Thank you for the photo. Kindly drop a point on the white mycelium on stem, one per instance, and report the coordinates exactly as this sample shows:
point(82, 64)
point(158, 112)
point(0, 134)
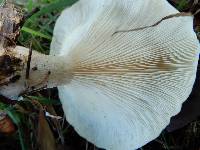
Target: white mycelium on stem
point(120, 90)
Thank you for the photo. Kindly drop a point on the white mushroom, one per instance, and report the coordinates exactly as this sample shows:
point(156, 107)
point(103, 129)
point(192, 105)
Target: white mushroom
point(118, 89)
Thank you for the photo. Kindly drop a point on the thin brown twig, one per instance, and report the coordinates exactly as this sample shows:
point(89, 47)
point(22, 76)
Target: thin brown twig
point(29, 62)
point(28, 91)
point(157, 23)
point(197, 12)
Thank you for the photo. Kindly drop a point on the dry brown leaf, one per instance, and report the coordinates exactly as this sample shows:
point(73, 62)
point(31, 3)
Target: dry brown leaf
point(55, 122)
point(6, 125)
point(46, 139)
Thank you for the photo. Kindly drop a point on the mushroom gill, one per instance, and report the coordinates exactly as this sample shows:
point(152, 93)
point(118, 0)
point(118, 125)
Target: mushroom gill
point(119, 86)
point(133, 68)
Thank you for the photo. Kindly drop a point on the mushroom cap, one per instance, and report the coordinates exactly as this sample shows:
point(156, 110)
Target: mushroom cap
point(125, 86)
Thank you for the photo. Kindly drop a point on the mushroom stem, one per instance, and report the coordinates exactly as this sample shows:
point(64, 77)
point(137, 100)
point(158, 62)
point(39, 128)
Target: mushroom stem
point(46, 71)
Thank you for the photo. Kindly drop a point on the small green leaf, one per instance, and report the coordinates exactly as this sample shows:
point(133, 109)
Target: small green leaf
point(16, 119)
point(182, 4)
point(35, 33)
point(57, 5)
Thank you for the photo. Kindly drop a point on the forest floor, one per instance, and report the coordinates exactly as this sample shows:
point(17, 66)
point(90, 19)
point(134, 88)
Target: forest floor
point(28, 115)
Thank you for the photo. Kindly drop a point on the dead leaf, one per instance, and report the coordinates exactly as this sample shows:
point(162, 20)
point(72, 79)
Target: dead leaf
point(46, 139)
point(6, 125)
point(55, 122)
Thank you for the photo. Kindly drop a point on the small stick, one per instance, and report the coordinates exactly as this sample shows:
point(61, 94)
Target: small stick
point(197, 12)
point(29, 62)
point(27, 92)
point(165, 18)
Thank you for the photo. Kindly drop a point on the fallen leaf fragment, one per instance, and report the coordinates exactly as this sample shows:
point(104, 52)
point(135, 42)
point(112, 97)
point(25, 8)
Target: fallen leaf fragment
point(46, 139)
point(6, 125)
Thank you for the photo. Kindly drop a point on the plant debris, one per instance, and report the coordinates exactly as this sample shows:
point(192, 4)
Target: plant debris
point(182, 14)
point(10, 25)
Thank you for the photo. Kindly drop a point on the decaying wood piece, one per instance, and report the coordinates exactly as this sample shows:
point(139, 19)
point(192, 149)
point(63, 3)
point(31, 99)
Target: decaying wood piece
point(10, 24)
point(10, 21)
